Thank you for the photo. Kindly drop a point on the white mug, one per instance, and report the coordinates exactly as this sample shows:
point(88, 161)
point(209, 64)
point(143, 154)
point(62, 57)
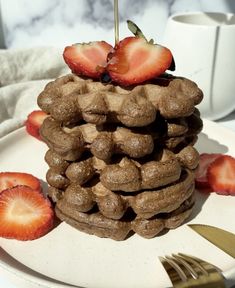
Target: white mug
point(203, 46)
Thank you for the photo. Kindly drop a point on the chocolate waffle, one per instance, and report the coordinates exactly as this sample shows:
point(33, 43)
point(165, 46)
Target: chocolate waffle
point(121, 160)
point(97, 224)
point(105, 140)
point(126, 174)
point(71, 98)
point(127, 184)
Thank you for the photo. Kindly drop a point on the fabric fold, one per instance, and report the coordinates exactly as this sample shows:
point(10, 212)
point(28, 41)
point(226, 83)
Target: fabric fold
point(24, 74)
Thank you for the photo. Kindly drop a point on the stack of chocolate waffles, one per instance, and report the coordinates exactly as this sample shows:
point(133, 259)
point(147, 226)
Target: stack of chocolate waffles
point(121, 160)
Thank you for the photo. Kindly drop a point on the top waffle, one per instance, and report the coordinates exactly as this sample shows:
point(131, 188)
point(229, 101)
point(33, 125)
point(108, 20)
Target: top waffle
point(70, 99)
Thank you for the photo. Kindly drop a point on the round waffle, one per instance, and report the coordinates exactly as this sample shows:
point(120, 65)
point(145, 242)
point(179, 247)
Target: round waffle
point(147, 188)
point(97, 224)
point(71, 98)
point(107, 140)
point(145, 203)
point(126, 174)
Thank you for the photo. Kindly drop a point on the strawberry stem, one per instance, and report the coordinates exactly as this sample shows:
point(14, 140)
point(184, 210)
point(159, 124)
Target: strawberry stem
point(136, 30)
point(116, 22)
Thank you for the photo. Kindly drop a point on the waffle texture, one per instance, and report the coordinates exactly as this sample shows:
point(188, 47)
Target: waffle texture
point(121, 160)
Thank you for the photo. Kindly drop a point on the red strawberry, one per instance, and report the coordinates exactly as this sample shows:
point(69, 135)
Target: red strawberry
point(135, 60)
point(34, 122)
point(88, 59)
point(201, 174)
point(12, 179)
point(221, 175)
point(24, 214)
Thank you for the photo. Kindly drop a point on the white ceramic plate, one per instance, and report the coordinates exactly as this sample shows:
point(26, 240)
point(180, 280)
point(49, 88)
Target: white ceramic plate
point(76, 258)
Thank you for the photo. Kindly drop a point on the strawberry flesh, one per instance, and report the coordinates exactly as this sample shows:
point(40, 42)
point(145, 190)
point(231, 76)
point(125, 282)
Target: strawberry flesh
point(205, 160)
point(12, 179)
point(24, 214)
point(135, 60)
point(221, 175)
point(87, 59)
point(34, 122)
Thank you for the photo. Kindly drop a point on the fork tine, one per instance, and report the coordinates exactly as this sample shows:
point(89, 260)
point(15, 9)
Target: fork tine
point(184, 263)
point(189, 271)
point(176, 274)
point(177, 268)
point(195, 261)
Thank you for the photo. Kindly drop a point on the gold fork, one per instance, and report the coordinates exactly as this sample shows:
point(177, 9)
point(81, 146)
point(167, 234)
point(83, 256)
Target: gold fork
point(189, 271)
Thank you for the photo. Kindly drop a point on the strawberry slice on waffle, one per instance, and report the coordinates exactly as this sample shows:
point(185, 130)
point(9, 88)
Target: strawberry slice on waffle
point(136, 60)
point(87, 59)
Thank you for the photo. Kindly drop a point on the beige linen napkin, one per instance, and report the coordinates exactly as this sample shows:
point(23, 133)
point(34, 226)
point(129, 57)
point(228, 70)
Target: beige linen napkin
point(23, 75)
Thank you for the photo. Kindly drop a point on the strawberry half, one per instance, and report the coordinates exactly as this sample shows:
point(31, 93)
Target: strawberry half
point(24, 214)
point(34, 122)
point(136, 60)
point(205, 160)
point(221, 175)
point(87, 59)
point(12, 179)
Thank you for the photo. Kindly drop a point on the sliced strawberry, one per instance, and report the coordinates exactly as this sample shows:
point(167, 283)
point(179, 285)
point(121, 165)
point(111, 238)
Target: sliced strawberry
point(12, 179)
point(34, 122)
point(201, 174)
point(88, 59)
point(221, 175)
point(135, 60)
point(24, 214)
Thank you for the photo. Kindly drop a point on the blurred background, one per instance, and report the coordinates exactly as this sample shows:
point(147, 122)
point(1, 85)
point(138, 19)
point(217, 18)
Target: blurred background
point(27, 23)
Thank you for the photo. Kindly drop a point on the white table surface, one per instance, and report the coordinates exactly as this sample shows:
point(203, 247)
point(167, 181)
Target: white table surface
point(7, 280)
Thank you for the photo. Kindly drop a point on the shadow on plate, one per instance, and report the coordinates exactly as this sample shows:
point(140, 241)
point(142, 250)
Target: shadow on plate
point(205, 145)
point(200, 199)
point(44, 186)
point(208, 145)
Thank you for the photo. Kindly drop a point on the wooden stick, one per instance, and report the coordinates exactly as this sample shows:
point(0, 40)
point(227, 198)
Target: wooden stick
point(116, 22)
